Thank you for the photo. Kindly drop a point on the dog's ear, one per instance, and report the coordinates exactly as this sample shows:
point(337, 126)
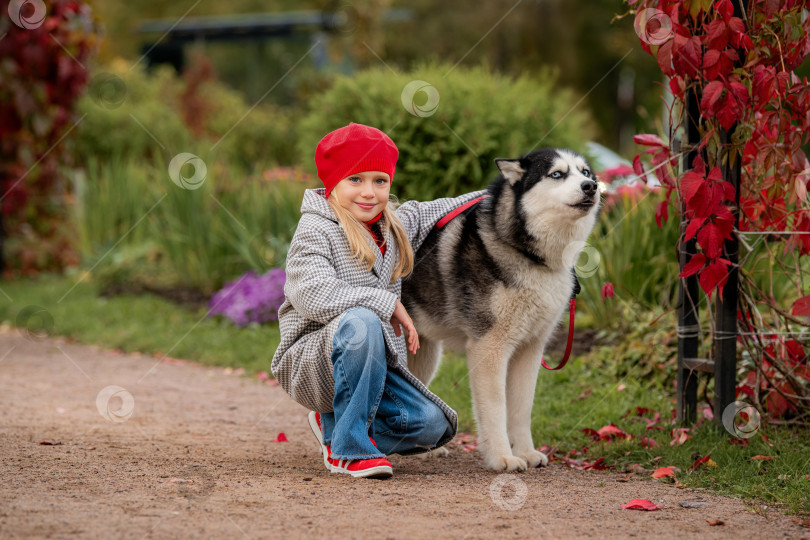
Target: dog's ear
point(511, 169)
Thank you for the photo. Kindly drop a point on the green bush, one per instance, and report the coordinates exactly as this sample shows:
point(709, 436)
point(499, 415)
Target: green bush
point(143, 118)
point(480, 116)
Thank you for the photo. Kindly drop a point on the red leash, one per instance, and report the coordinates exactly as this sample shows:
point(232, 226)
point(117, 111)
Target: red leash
point(571, 304)
point(571, 309)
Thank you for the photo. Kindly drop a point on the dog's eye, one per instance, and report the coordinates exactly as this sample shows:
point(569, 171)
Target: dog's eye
point(586, 173)
point(556, 174)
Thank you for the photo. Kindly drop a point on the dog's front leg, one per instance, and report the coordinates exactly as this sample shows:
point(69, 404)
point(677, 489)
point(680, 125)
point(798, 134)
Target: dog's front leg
point(486, 364)
point(521, 382)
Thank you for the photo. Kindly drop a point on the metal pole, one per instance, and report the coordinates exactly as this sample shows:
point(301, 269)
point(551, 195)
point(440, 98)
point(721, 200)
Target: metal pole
point(688, 290)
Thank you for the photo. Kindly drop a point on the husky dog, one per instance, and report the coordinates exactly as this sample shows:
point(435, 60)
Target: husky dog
point(495, 281)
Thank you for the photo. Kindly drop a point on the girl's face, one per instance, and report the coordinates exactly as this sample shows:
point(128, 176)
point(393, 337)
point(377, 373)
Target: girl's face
point(364, 194)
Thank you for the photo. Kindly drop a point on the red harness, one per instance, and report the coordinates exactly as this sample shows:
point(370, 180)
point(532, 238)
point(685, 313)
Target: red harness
point(571, 303)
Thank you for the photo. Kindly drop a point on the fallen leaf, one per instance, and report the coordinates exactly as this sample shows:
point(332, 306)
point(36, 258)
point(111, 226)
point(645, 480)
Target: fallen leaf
point(621, 388)
point(679, 436)
point(648, 443)
point(591, 433)
point(281, 437)
point(738, 441)
point(664, 472)
point(586, 394)
point(767, 458)
point(609, 432)
point(262, 376)
point(801, 523)
point(701, 461)
point(49, 443)
point(716, 523)
point(641, 504)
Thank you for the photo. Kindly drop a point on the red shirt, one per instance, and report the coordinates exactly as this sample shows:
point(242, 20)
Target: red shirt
point(375, 232)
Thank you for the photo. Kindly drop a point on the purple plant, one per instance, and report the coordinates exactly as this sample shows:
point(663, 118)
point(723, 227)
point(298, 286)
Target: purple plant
point(251, 298)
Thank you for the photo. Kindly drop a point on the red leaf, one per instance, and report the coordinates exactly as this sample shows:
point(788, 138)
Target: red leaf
point(729, 111)
point(686, 54)
point(694, 225)
point(801, 307)
point(690, 184)
point(610, 431)
point(281, 437)
point(664, 58)
point(710, 238)
point(715, 275)
point(725, 9)
point(715, 523)
point(662, 213)
point(694, 265)
point(760, 457)
point(641, 504)
point(648, 443)
point(664, 472)
point(649, 139)
point(700, 461)
point(638, 168)
point(607, 291)
point(711, 97)
point(591, 433)
point(679, 436)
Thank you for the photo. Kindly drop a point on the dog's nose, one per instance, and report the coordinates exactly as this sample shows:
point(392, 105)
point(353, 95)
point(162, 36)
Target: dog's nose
point(588, 187)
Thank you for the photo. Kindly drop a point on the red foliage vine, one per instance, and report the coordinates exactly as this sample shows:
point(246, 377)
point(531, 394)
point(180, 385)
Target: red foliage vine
point(755, 109)
point(44, 46)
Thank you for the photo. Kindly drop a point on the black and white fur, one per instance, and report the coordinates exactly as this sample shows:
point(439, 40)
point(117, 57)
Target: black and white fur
point(495, 282)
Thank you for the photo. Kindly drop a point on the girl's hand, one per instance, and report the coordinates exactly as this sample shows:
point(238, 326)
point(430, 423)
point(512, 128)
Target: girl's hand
point(401, 317)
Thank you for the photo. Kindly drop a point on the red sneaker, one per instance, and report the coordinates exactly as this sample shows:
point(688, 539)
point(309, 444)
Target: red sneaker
point(363, 468)
point(315, 424)
point(358, 468)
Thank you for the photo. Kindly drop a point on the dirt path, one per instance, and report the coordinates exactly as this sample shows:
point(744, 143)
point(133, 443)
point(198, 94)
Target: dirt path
point(197, 459)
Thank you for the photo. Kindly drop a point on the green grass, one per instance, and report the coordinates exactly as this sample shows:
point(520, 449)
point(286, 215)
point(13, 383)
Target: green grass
point(586, 394)
point(147, 324)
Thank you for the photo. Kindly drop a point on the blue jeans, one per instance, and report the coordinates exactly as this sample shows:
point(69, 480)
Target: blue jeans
point(371, 401)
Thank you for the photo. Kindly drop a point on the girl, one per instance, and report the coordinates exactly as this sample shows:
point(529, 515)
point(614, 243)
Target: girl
point(342, 351)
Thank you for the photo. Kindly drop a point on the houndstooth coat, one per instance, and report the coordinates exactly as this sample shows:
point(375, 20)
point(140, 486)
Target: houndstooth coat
point(324, 281)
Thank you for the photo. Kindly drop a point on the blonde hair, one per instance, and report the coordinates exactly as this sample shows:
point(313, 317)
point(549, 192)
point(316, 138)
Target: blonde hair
point(358, 236)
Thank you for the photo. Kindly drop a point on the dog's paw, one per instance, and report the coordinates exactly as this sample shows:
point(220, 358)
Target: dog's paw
point(505, 463)
point(435, 453)
point(534, 458)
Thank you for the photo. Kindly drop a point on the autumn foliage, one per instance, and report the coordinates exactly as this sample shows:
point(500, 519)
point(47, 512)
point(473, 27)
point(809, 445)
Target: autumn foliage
point(42, 73)
point(754, 110)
